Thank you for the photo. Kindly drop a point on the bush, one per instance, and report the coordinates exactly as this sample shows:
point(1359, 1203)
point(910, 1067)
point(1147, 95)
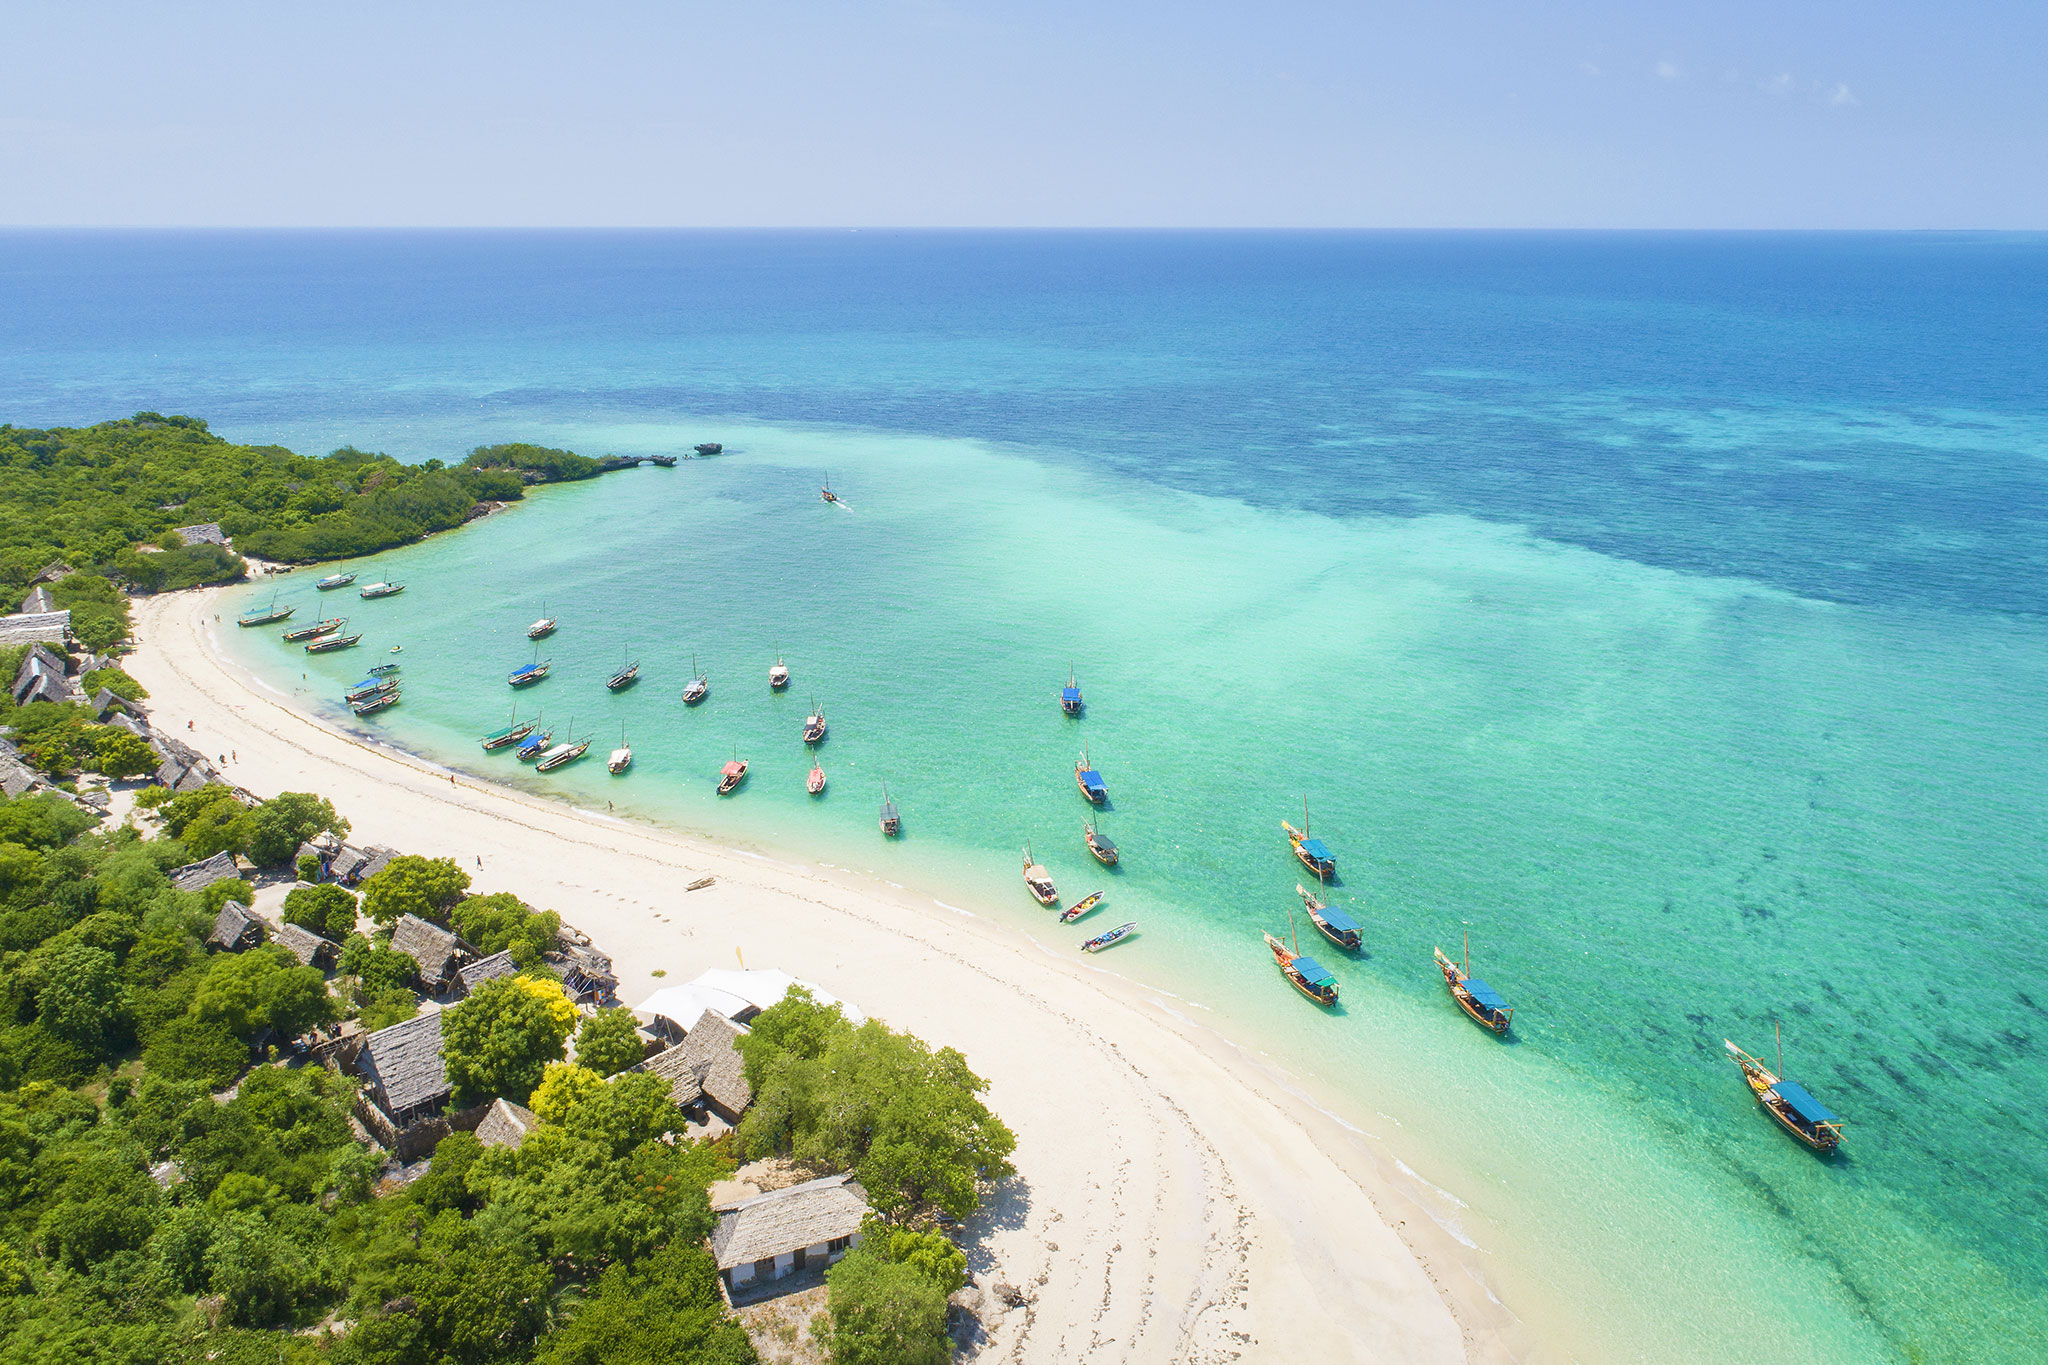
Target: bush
point(609, 1041)
point(883, 1313)
point(118, 754)
point(217, 894)
point(190, 1049)
point(388, 1007)
point(115, 681)
point(308, 868)
point(276, 828)
point(329, 911)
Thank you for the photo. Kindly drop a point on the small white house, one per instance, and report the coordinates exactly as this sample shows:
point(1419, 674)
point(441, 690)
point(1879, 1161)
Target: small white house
point(773, 1235)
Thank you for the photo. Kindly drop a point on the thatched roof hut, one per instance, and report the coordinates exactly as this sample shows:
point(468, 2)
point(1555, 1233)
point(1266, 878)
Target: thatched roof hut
point(506, 1124)
point(802, 1227)
point(235, 928)
point(706, 1070)
point(17, 778)
point(435, 950)
point(474, 974)
point(204, 873)
point(403, 1069)
point(38, 601)
point(307, 946)
point(36, 627)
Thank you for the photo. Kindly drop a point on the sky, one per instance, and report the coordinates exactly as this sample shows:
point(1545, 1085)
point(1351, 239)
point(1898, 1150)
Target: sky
point(1026, 113)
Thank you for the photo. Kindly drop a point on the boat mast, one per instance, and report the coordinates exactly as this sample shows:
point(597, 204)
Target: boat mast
point(1294, 942)
point(1781, 1048)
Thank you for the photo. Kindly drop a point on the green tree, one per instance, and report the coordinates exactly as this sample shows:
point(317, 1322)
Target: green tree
point(278, 826)
point(378, 968)
point(245, 993)
point(609, 1041)
point(81, 999)
point(498, 1041)
point(118, 754)
point(386, 1008)
point(663, 1310)
point(115, 681)
point(192, 1049)
point(930, 1253)
point(409, 885)
point(501, 921)
point(329, 911)
point(883, 1312)
point(562, 1086)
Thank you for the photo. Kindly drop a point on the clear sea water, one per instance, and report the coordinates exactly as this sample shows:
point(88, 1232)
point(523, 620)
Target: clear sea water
point(1670, 612)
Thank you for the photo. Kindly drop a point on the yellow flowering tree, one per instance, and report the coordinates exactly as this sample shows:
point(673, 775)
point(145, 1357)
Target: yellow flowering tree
point(500, 1040)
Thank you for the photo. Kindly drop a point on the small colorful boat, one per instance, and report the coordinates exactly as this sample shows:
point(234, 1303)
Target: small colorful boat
point(369, 687)
point(511, 734)
point(1038, 881)
point(815, 782)
point(334, 642)
point(1089, 781)
point(624, 678)
point(376, 590)
point(1070, 696)
point(1479, 1000)
point(778, 674)
point(335, 580)
point(1099, 844)
point(263, 616)
point(1307, 975)
point(732, 774)
point(316, 630)
point(541, 629)
point(622, 757)
point(826, 492)
point(385, 670)
point(562, 753)
point(814, 723)
point(369, 706)
point(534, 745)
point(1336, 926)
point(526, 675)
point(1315, 855)
point(1116, 935)
point(892, 820)
point(698, 687)
point(1080, 907)
point(1796, 1111)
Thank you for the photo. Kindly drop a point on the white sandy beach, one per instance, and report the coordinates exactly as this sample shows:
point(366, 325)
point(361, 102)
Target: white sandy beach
point(1174, 1202)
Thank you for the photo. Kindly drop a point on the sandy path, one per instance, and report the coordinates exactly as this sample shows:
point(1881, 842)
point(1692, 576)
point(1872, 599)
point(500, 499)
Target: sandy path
point(1173, 1202)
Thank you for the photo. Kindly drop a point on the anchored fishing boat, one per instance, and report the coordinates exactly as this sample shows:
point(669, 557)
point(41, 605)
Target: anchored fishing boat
point(1089, 781)
point(541, 629)
point(526, 675)
point(709, 448)
point(316, 630)
point(624, 678)
point(1308, 976)
point(1038, 881)
point(376, 590)
point(534, 745)
point(1070, 696)
point(826, 492)
point(263, 616)
point(1116, 935)
point(1335, 924)
point(815, 782)
point(1479, 1000)
point(385, 670)
point(778, 674)
point(369, 687)
point(732, 774)
point(1796, 1111)
point(622, 757)
point(567, 752)
point(892, 822)
point(511, 734)
point(1099, 844)
point(1315, 855)
point(814, 723)
point(369, 706)
point(1080, 907)
point(698, 687)
point(335, 580)
point(334, 642)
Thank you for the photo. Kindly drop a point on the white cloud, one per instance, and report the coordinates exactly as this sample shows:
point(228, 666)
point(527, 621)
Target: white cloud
point(1780, 84)
point(1840, 95)
point(1667, 71)
point(1589, 68)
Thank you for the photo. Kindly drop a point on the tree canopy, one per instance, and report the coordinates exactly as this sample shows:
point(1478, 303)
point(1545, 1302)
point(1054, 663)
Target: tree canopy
point(498, 1041)
point(410, 885)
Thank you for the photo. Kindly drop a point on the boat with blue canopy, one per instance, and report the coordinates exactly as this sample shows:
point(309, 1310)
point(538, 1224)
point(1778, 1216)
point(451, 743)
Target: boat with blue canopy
point(1335, 925)
point(384, 670)
point(369, 687)
point(1314, 854)
point(1089, 781)
point(1070, 696)
point(1307, 975)
point(512, 733)
point(534, 745)
point(1789, 1102)
point(263, 616)
point(1101, 845)
point(1479, 1000)
point(526, 675)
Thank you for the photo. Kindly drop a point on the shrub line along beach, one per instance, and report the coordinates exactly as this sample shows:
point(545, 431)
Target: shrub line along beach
point(1175, 1196)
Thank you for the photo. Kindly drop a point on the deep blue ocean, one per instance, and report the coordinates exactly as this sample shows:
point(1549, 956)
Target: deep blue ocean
point(1669, 610)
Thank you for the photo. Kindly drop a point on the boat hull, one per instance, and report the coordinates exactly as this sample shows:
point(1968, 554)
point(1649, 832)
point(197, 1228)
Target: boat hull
point(1347, 941)
point(622, 681)
point(1094, 796)
point(328, 646)
point(491, 742)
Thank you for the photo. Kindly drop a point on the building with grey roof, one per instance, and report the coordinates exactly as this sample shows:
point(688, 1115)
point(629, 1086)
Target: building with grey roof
point(206, 532)
point(308, 947)
point(38, 601)
point(435, 950)
point(36, 627)
point(236, 928)
point(770, 1236)
point(204, 873)
point(705, 1072)
point(17, 778)
point(474, 974)
point(402, 1068)
point(506, 1124)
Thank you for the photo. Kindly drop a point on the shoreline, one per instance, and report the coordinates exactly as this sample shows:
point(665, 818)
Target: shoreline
point(1208, 1208)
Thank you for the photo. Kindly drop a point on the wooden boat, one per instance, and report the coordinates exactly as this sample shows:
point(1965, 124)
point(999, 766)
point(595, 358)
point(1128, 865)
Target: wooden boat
point(526, 675)
point(698, 687)
point(1039, 882)
point(369, 706)
point(826, 492)
point(1089, 781)
point(1307, 975)
point(624, 678)
point(1070, 696)
point(778, 674)
point(376, 590)
point(1335, 924)
point(334, 642)
point(369, 687)
point(665, 461)
point(1315, 855)
point(335, 580)
point(1116, 935)
point(316, 630)
point(1080, 907)
point(541, 629)
point(385, 670)
point(1796, 1111)
point(709, 448)
point(1099, 844)
point(622, 757)
point(732, 774)
point(534, 745)
point(814, 723)
point(892, 820)
point(263, 616)
point(511, 734)
point(1479, 1000)
point(562, 753)
point(815, 782)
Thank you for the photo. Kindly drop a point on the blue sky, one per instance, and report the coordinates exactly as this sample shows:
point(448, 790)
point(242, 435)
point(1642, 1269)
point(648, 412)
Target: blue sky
point(988, 112)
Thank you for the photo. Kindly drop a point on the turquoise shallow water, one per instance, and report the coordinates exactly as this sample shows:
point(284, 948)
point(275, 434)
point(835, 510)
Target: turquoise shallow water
point(1668, 614)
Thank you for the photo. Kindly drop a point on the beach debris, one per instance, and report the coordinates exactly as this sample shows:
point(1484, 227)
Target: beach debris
point(700, 883)
point(1010, 1296)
